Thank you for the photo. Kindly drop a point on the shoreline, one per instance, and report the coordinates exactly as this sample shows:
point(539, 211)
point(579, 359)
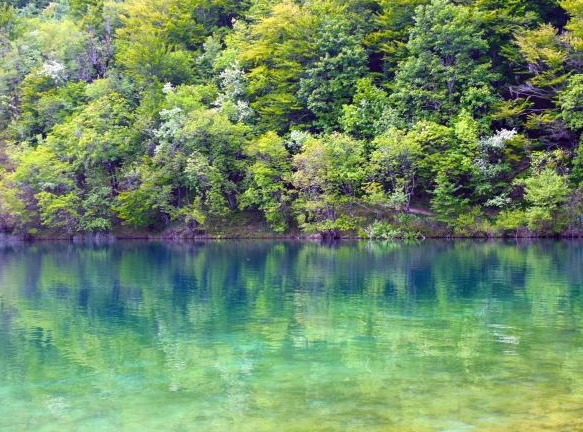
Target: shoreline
point(113, 237)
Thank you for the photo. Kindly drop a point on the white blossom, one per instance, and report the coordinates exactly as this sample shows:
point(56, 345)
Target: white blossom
point(497, 141)
point(499, 201)
point(296, 140)
point(233, 83)
point(54, 70)
point(168, 88)
point(168, 134)
point(489, 147)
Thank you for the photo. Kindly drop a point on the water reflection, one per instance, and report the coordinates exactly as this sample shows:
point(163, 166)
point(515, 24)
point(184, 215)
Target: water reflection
point(291, 336)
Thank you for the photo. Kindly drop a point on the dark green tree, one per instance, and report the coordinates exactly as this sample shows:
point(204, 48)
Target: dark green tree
point(446, 69)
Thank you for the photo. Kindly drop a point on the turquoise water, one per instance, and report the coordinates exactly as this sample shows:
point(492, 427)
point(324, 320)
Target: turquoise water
point(275, 336)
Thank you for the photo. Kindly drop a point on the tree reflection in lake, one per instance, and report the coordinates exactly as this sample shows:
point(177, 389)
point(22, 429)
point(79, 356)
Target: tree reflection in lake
point(294, 336)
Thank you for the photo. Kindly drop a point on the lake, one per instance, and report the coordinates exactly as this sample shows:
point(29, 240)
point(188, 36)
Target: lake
point(292, 336)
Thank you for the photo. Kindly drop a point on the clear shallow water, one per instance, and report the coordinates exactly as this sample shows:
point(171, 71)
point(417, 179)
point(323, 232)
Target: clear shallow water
point(273, 336)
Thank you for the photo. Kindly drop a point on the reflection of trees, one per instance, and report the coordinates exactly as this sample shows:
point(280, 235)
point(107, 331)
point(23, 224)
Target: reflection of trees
point(205, 317)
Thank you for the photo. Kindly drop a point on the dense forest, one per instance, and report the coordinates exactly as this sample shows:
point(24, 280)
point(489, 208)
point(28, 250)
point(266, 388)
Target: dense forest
point(379, 118)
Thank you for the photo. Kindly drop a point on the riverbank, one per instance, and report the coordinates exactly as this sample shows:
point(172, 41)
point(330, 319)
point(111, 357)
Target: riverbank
point(419, 228)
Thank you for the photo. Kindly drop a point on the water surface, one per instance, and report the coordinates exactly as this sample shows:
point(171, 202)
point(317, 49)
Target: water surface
point(275, 336)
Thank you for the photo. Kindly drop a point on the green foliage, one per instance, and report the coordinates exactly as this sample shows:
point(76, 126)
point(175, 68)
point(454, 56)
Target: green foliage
point(446, 43)
point(382, 231)
point(59, 211)
point(329, 81)
point(493, 168)
point(42, 109)
point(395, 164)
point(147, 202)
point(184, 113)
point(146, 46)
point(571, 100)
point(268, 180)
point(99, 134)
point(468, 223)
point(329, 174)
point(39, 174)
point(363, 118)
point(511, 220)
point(40, 169)
point(157, 39)
point(389, 37)
point(275, 49)
point(545, 192)
point(97, 213)
point(577, 173)
point(575, 10)
point(446, 201)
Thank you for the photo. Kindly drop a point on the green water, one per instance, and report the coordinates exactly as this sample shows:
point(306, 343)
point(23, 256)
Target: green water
point(268, 336)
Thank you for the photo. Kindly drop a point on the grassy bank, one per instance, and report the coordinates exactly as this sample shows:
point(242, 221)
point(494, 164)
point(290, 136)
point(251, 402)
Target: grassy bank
point(415, 225)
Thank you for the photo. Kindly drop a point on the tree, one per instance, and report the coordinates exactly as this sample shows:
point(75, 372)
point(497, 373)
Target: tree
point(502, 20)
point(44, 105)
point(147, 46)
point(199, 144)
point(446, 201)
point(394, 164)
point(146, 201)
point(574, 9)
point(100, 134)
point(493, 167)
point(446, 43)
point(570, 100)
point(388, 40)
point(545, 56)
point(59, 210)
point(551, 59)
point(329, 175)
point(268, 180)
point(329, 81)
point(186, 112)
point(274, 51)
point(41, 190)
point(158, 38)
point(364, 117)
point(545, 192)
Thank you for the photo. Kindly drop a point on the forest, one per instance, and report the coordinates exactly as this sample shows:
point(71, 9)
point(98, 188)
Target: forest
point(370, 118)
